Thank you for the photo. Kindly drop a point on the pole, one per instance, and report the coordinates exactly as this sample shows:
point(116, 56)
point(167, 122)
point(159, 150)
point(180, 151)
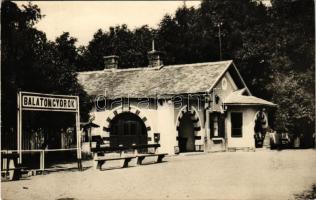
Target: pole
point(42, 161)
point(21, 124)
point(220, 40)
point(207, 128)
point(18, 124)
point(78, 136)
point(90, 138)
point(19, 127)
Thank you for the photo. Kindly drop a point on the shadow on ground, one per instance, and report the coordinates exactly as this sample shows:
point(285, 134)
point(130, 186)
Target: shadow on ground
point(307, 194)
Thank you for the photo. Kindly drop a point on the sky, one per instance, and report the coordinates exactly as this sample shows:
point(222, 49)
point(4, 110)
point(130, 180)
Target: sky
point(83, 18)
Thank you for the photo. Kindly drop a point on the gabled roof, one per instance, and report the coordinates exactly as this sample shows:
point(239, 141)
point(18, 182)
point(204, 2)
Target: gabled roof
point(237, 98)
point(152, 82)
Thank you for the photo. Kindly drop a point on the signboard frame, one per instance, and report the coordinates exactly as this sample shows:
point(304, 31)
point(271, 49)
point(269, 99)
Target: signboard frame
point(22, 107)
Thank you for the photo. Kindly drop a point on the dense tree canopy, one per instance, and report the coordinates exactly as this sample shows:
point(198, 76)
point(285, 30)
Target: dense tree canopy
point(130, 46)
point(32, 63)
point(274, 48)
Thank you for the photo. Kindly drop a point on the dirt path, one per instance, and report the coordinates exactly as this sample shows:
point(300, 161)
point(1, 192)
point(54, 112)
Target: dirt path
point(229, 175)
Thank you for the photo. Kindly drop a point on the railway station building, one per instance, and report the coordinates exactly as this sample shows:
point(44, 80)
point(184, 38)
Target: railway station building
point(185, 108)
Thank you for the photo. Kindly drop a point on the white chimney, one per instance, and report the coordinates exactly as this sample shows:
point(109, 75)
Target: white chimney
point(154, 57)
point(110, 62)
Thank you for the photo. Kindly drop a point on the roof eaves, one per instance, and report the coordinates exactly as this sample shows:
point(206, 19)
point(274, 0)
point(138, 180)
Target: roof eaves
point(251, 104)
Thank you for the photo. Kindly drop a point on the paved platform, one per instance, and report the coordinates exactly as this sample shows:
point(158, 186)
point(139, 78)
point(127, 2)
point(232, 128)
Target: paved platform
point(225, 175)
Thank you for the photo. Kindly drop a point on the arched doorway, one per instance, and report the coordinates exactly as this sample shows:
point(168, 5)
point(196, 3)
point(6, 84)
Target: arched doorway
point(186, 137)
point(127, 129)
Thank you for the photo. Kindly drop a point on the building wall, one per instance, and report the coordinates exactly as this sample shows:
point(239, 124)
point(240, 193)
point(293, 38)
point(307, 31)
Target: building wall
point(247, 139)
point(222, 93)
point(231, 86)
point(166, 127)
point(159, 119)
point(163, 118)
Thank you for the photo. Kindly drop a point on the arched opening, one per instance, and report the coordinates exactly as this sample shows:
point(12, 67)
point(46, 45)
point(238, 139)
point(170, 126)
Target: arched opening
point(186, 133)
point(127, 129)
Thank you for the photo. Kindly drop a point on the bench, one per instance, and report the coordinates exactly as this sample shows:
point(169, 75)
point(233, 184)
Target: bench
point(101, 151)
point(100, 161)
point(141, 157)
point(10, 169)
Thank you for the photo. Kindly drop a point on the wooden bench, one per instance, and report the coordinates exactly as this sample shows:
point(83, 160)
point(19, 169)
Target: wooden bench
point(100, 161)
point(141, 157)
point(101, 151)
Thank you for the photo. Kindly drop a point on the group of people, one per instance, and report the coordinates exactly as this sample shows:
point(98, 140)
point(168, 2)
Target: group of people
point(63, 139)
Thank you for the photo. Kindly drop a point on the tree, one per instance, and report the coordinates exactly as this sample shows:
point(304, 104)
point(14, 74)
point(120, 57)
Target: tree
point(32, 63)
point(296, 106)
point(130, 46)
point(274, 48)
point(20, 43)
point(292, 60)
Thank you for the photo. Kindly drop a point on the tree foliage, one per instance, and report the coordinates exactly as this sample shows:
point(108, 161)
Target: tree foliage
point(32, 63)
point(130, 46)
point(274, 48)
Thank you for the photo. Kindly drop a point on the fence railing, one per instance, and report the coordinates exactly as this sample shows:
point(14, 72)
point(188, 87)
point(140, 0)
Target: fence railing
point(42, 154)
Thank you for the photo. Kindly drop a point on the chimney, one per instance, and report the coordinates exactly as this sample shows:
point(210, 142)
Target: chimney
point(154, 57)
point(110, 62)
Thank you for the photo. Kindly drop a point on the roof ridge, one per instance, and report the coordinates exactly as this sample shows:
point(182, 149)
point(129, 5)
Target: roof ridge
point(194, 64)
point(154, 68)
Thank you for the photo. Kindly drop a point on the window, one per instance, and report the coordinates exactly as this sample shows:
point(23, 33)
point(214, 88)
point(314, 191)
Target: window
point(236, 121)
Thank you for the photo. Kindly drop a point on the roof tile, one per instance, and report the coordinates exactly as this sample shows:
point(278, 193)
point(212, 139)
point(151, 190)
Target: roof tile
point(150, 82)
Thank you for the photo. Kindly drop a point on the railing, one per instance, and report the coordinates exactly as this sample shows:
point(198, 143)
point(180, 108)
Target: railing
point(42, 154)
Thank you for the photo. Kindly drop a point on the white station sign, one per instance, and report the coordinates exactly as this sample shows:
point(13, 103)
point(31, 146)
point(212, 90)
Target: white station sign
point(47, 102)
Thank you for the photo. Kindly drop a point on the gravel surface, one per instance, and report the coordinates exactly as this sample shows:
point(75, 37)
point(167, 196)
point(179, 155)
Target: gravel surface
point(228, 175)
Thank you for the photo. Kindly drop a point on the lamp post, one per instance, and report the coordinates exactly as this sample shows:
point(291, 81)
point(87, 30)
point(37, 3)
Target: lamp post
point(220, 39)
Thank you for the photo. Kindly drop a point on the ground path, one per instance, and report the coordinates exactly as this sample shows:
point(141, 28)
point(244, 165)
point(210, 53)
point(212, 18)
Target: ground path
point(227, 175)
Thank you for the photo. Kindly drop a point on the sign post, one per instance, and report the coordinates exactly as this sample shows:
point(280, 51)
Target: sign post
point(19, 127)
point(30, 101)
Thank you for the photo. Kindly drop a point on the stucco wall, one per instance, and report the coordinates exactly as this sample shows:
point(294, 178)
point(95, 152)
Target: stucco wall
point(247, 139)
point(222, 93)
point(231, 86)
point(160, 119)
point(166, 127)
